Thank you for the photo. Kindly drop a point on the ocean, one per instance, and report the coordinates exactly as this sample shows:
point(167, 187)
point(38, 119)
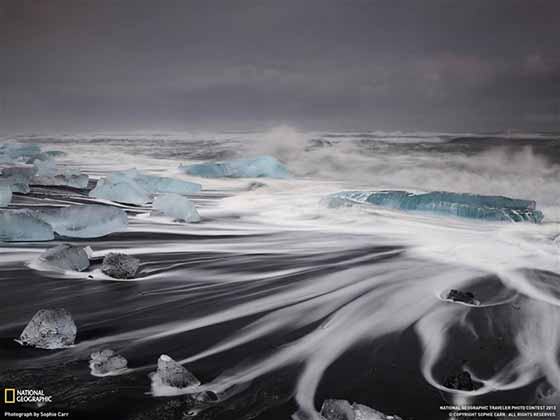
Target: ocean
point(277, 302)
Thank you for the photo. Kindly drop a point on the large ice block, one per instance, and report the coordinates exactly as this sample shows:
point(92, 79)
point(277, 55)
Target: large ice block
point(84, 221)
point(473, 206)
point(261, 166)
point(175, 206)
point(23, 225)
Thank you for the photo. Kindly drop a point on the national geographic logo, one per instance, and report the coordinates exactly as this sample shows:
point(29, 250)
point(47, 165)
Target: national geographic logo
point(13, 395)
point(9, 395)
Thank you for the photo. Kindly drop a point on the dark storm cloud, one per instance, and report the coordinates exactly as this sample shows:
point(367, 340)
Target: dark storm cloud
point(392, 64)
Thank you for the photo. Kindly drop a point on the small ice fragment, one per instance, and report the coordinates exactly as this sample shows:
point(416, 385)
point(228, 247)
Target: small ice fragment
point(106, 362)
point(174, 374)
point(66, 257)
point(342, 410)
point(175, 206)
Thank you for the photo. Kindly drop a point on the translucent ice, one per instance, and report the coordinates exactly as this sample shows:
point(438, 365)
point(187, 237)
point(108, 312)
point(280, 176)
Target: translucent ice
point(343, 410)
point(121, 190)
point(106, 362)
point(487, 207)
point(5, 195)
point(175, 206)
point(262, 166)
point(134, 187)
point(159, 184)
point(67, 257)
point(84, 221)
point(18, 150)
point(18, 177)
point(173, 374)
point(49, 329)
point(49, 174)
point(23, 225)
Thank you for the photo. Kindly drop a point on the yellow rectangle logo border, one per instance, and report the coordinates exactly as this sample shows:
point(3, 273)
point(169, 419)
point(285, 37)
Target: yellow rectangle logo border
point(7, 391)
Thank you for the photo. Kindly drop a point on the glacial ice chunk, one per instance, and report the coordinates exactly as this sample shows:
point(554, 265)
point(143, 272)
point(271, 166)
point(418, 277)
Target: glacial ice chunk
point(5, 195)
point(261, 166)
point(49, 329)
point(175, 206)
point(120, 190)
point(48, 174)
point(18, 177)
point(67, 257)
point(120, 266)
point(159, 184)
point(173, 374)
point(473, 206)
point(106, 362)
point(18, 150)
point(343, 410)
point(134, 187)
point(84, 221)
point(62, 180)
point(23, 225)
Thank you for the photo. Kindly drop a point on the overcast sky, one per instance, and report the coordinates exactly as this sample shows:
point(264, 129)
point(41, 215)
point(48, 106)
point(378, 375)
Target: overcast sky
point(317, 64)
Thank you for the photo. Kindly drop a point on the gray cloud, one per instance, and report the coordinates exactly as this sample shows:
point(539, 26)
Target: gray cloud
point(346, 64)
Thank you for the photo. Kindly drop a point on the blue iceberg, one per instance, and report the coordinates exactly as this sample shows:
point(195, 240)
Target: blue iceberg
point(259, 167)
point(472, 206)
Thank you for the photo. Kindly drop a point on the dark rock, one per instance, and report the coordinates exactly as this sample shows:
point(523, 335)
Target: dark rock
point(465, 297)
point(462, 381)
point(120, 266)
